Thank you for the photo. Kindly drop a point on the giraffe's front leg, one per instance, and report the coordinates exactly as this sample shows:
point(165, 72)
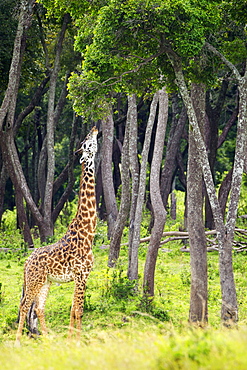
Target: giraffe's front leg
point(77, 305)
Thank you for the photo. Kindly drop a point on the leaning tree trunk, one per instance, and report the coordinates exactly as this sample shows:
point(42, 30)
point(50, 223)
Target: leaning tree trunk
point(225, 235)
point(198, 246)
point(106, 171)
point(159, 211)
point(224, 191)
point(229, 309)
point(133, 263)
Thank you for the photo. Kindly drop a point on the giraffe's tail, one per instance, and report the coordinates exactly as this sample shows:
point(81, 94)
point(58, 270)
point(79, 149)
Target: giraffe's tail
point(22, 296)
point(31, 319)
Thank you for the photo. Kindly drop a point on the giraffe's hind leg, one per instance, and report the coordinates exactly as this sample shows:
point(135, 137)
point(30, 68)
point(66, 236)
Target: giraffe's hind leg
point(25, 304)
point(40, 305)
point(31, 294)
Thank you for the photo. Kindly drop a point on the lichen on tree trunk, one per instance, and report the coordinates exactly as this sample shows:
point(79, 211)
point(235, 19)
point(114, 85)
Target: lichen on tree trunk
point(229, 309)
point(198, 246)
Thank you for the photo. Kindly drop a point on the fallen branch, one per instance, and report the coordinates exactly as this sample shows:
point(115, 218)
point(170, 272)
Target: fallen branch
point(238, 246)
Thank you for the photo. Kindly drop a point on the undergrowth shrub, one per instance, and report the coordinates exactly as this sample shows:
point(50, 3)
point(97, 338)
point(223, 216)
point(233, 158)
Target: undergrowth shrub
point(148, 305)
point(120, 287)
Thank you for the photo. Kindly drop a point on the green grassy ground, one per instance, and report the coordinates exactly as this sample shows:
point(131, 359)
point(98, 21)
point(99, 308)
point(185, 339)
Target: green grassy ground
point(120, 330)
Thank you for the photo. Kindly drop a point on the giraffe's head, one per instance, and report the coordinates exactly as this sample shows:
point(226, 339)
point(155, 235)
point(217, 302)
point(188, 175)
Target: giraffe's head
point(88, 147)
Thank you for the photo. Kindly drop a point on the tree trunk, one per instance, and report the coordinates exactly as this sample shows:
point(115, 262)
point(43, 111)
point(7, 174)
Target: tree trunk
point(134, 168)
point(3, 179)
point(156, 199)
point(7, 111)
point(229, 310)
point(224, 191)
point(224, 234)
point(8, 128)
point(171, 153)
point(211, 138)
point(198, 245)
point(133, 263)
point(107, 176)
point(47, 211)
point(64, 197)
point(125, 200)
point(22, 218)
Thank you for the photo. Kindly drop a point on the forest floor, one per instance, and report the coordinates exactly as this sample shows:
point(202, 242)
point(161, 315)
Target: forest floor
point(121, 330)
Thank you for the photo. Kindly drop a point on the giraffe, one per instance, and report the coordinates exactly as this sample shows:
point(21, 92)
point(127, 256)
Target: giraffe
point(69, 259)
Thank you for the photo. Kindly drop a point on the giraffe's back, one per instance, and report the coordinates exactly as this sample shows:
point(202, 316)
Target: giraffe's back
point(58, 263)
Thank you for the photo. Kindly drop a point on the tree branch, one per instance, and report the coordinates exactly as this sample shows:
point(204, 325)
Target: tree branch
point(224, 60)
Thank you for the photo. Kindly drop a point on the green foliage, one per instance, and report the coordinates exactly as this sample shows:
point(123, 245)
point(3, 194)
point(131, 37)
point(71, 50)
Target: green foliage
point(7, 34)
point(9, 221)
point(125, 49)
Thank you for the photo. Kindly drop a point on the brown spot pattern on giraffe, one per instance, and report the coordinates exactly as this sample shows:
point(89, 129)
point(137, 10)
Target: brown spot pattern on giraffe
point(70, 258)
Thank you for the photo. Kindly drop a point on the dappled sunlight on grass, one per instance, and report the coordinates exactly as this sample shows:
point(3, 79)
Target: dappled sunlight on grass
point(124, 349)
point(121, 329)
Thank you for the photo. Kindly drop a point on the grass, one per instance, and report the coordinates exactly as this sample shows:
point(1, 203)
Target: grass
point(120, 329)
point(162, 348)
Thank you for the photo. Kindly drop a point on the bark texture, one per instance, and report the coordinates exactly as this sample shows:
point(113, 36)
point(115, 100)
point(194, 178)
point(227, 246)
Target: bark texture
point(198, 246)
point(134, 169)
point(159, 211)
point(125, 200)
point(171, 152)
point(106, 171)
point(229, 310)
point(133, 263)
point(51, 129)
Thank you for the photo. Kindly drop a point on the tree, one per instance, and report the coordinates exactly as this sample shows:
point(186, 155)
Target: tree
point(11, 123)
point(133, 263)
point(156, 43)
point(229, 309)
point(7, 36)
point(172, 149)
point(134, 167)
point(225, 235)
point(156, 199)
point(125, 197)
point(106, 170)
point(8, 106)
point(198, 246)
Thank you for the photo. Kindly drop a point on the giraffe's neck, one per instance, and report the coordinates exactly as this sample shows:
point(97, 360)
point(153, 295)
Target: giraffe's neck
point(83, 225)
point(86, 201)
